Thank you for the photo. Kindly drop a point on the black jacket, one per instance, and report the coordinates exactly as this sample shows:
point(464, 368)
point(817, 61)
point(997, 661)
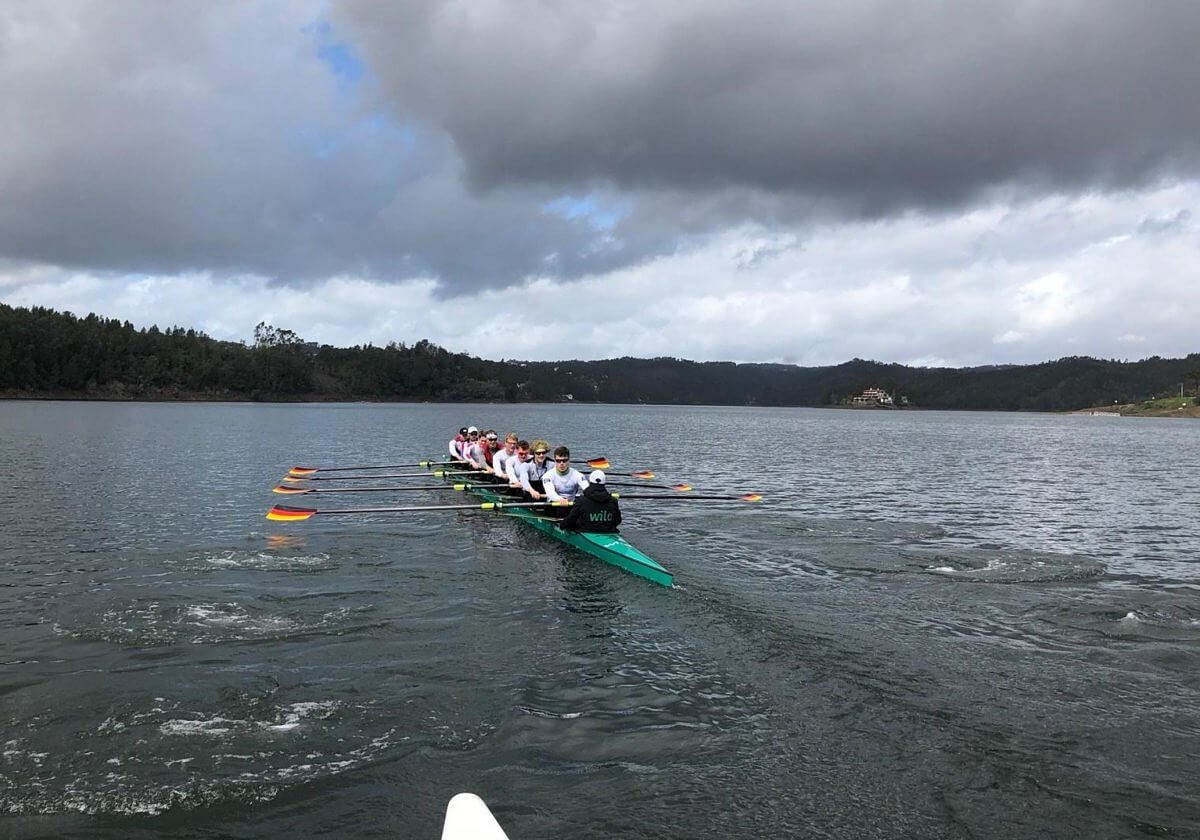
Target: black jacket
point(594, 510)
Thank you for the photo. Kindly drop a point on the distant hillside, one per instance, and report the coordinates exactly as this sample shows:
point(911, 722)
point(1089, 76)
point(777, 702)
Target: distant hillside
point(44, 353)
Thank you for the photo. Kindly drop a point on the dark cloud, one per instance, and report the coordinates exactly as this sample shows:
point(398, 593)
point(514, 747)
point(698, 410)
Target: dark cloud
point(186, 137)
point(191, 136)
point(876, 106)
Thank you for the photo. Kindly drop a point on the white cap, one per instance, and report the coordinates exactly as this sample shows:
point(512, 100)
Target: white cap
point(597, 477)
point(471, 430)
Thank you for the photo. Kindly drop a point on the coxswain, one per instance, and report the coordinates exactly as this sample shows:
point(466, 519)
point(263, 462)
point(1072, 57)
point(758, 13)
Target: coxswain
point(534, 470)
point(595, 509)
point(564, 482)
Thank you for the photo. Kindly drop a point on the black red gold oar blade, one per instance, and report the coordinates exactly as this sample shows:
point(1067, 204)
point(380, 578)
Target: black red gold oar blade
point(287, 513)
point(299, 472)
point(682, 488)
point(290, 490)
point(598, 463)
point(750, 497)
point(646, 474)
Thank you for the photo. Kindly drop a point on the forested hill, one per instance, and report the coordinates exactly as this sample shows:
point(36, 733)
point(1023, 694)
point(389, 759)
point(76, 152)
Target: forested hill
point(48, 353)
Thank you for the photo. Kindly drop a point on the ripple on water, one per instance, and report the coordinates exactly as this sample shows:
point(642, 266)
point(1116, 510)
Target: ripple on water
point(269, 561)
point(985, 565)
point(154, 754)
point(1131, 615)
point(148, 623)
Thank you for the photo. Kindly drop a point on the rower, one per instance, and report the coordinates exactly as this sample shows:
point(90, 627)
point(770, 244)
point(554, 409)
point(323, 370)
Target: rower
point(473, 449)
point(481, 456)
point(595, 509)
point(501, 458)
point(456, 443)
point(534, 470)
point(516, 463)
point(564, 482)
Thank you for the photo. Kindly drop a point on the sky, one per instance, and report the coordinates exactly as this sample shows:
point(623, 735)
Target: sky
point(912, 181)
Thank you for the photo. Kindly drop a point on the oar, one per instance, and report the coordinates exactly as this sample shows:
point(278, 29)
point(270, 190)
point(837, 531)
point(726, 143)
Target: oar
point(287, 513)
point(682, 488)
point(310, 471)
point(297, 491)
point(744, 497)
point(643, 474)
point(437, 473)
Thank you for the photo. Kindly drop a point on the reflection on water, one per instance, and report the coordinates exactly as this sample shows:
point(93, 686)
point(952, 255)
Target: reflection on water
point(936, 625)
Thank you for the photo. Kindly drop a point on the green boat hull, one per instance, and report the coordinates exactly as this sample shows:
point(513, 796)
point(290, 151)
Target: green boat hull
point(611, 548)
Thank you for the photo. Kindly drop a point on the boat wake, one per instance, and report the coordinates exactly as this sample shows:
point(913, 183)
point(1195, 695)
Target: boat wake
point(1016, 565)
point(1129, 615)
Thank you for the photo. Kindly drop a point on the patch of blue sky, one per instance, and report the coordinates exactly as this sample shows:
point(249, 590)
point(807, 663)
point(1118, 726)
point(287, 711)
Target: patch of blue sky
point(351, 73)
point(588, 208)
point(343, 62)
point(339, 57)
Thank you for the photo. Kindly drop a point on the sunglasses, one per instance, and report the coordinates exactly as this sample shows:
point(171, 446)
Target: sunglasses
point(561, 460)
point(540, 452)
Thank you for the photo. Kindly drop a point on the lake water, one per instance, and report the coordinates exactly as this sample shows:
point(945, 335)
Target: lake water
point(937, 625)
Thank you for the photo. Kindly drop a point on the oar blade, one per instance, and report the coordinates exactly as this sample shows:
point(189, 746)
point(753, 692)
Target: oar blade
point(646, 474)
point(598, 463)
point(287, 513)
point(290, 490)
point(682, 488)
point(299, 472)
point(750, 497)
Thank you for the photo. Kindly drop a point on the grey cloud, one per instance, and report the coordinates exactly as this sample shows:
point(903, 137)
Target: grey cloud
point(1166, 223)
point(192, 136)
point(875, 106)
point(183, 137)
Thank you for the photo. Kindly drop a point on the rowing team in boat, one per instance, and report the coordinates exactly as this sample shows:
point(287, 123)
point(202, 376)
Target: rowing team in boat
point(583, 504)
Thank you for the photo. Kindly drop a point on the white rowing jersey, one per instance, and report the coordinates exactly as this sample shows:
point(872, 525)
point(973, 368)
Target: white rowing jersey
point(563, 486)
point(474, 452)
point(499, 460)
point(530, 474)
point(512, 469)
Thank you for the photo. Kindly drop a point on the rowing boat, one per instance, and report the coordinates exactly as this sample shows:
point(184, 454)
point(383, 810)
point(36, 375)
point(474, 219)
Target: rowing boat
point(611, 548)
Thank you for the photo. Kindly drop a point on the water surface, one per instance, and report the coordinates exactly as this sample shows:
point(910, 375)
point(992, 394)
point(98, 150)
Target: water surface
point(936, 625)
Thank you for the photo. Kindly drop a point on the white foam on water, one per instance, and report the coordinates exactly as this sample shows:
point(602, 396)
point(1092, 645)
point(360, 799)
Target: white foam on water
point(212, 726)
point(297, 712)
point(261, 560)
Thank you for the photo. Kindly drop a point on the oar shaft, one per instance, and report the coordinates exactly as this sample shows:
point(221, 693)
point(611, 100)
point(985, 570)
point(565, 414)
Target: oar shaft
point(411, 508)
point(426, 474)
point(299, 491)
point(691, 497)
point(367, 467)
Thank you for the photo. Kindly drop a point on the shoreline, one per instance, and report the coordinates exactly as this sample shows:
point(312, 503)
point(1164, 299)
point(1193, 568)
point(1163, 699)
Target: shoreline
point(1173, 407)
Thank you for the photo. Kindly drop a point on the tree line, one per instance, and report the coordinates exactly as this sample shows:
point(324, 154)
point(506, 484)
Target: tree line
point(45, 353)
